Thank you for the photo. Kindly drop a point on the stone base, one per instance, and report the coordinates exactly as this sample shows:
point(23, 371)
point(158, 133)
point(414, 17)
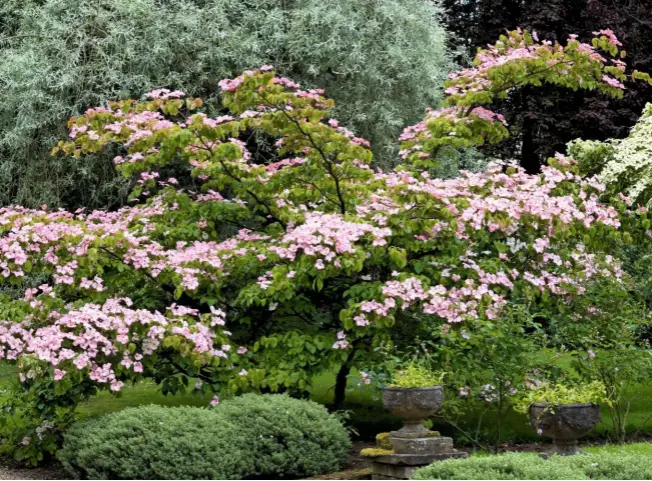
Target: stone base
point(429, 445)
point(390, 471)
point(562, 448)
point(403, 466)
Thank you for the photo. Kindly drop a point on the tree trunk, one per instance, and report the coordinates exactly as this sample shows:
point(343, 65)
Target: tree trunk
point(529, 159)
point(340, 381)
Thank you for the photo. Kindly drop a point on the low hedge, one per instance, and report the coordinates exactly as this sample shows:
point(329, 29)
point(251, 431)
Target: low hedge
point(258, 436)
point(155, 442)
point(292, 438)
point(532, 466)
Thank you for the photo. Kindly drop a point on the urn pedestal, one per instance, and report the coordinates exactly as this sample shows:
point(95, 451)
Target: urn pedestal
point(413, 446)
point(565, 424)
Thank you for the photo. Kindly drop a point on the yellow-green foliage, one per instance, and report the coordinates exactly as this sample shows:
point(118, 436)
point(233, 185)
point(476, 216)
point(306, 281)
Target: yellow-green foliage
point(557, 394)
point(416, 376)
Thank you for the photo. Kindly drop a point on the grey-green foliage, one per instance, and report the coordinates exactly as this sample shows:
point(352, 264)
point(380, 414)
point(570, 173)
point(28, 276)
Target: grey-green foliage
point(292, 438)
point(452, 162)
point(155, 442)
point(625, 165)
point(383, 61)
point(532, 466)
point(249, 436)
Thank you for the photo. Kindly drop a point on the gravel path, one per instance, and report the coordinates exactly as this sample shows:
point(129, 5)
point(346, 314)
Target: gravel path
point(53, 472)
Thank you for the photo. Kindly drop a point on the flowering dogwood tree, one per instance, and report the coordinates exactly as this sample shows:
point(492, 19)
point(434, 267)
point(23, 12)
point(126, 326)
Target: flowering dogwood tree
point(272, 270)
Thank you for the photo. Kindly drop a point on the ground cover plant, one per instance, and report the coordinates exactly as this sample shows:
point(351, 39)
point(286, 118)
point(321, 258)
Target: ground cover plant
point(621, 462)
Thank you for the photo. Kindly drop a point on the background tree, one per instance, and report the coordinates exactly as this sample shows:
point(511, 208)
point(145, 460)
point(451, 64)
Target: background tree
point(384, 61)
point(544, 119)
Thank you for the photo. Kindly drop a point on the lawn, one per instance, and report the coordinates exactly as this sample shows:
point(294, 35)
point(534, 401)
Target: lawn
point(367, 415)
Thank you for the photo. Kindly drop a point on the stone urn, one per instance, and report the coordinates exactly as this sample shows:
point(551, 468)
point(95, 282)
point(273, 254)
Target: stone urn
point(413, 406)
point(565, 424)
point(413, 446)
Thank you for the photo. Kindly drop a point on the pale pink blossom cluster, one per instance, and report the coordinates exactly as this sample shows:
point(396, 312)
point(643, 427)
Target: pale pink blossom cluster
point(478, 78)
point(138, 125)
point(326, 236)
point(454, 114)
point(274, 167)
point(501, 203)
point(231, 85)
point(611, 36)
point(88, 338)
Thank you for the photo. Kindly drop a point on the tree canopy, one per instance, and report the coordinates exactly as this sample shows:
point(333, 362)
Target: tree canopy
point(267, 271)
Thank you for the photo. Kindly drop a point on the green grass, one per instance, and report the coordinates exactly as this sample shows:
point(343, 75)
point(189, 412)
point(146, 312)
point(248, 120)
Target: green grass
point(145, 392)
point(644, 449)
point(138, 395)
point(641, 448)
point(367, 415)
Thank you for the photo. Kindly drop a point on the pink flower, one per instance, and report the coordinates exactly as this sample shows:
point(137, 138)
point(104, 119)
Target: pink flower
point(611, 37)
point(541, 245)
point(215, 401)
point(116, 385)
point(59, 374)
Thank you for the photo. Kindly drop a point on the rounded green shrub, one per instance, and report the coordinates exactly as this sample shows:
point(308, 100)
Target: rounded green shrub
point(291, 437)
point(599, 465)
point(155, 442)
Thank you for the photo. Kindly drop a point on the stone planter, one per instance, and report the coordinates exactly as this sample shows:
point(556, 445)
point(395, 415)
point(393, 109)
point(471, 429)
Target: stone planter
point(413, 406)
point(413, 446)
point(565, 424)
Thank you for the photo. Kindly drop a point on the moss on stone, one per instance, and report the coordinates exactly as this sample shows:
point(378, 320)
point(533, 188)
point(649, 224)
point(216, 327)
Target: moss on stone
point(382, 441)
point(375, 452)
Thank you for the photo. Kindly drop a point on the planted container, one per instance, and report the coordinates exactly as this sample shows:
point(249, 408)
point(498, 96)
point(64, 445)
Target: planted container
point(565, 424)
point(413, 405)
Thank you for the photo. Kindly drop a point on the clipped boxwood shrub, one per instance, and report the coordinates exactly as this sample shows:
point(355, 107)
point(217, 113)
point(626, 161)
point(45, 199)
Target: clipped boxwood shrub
point(291, 437)
point(532, 466)
point(155, 442)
